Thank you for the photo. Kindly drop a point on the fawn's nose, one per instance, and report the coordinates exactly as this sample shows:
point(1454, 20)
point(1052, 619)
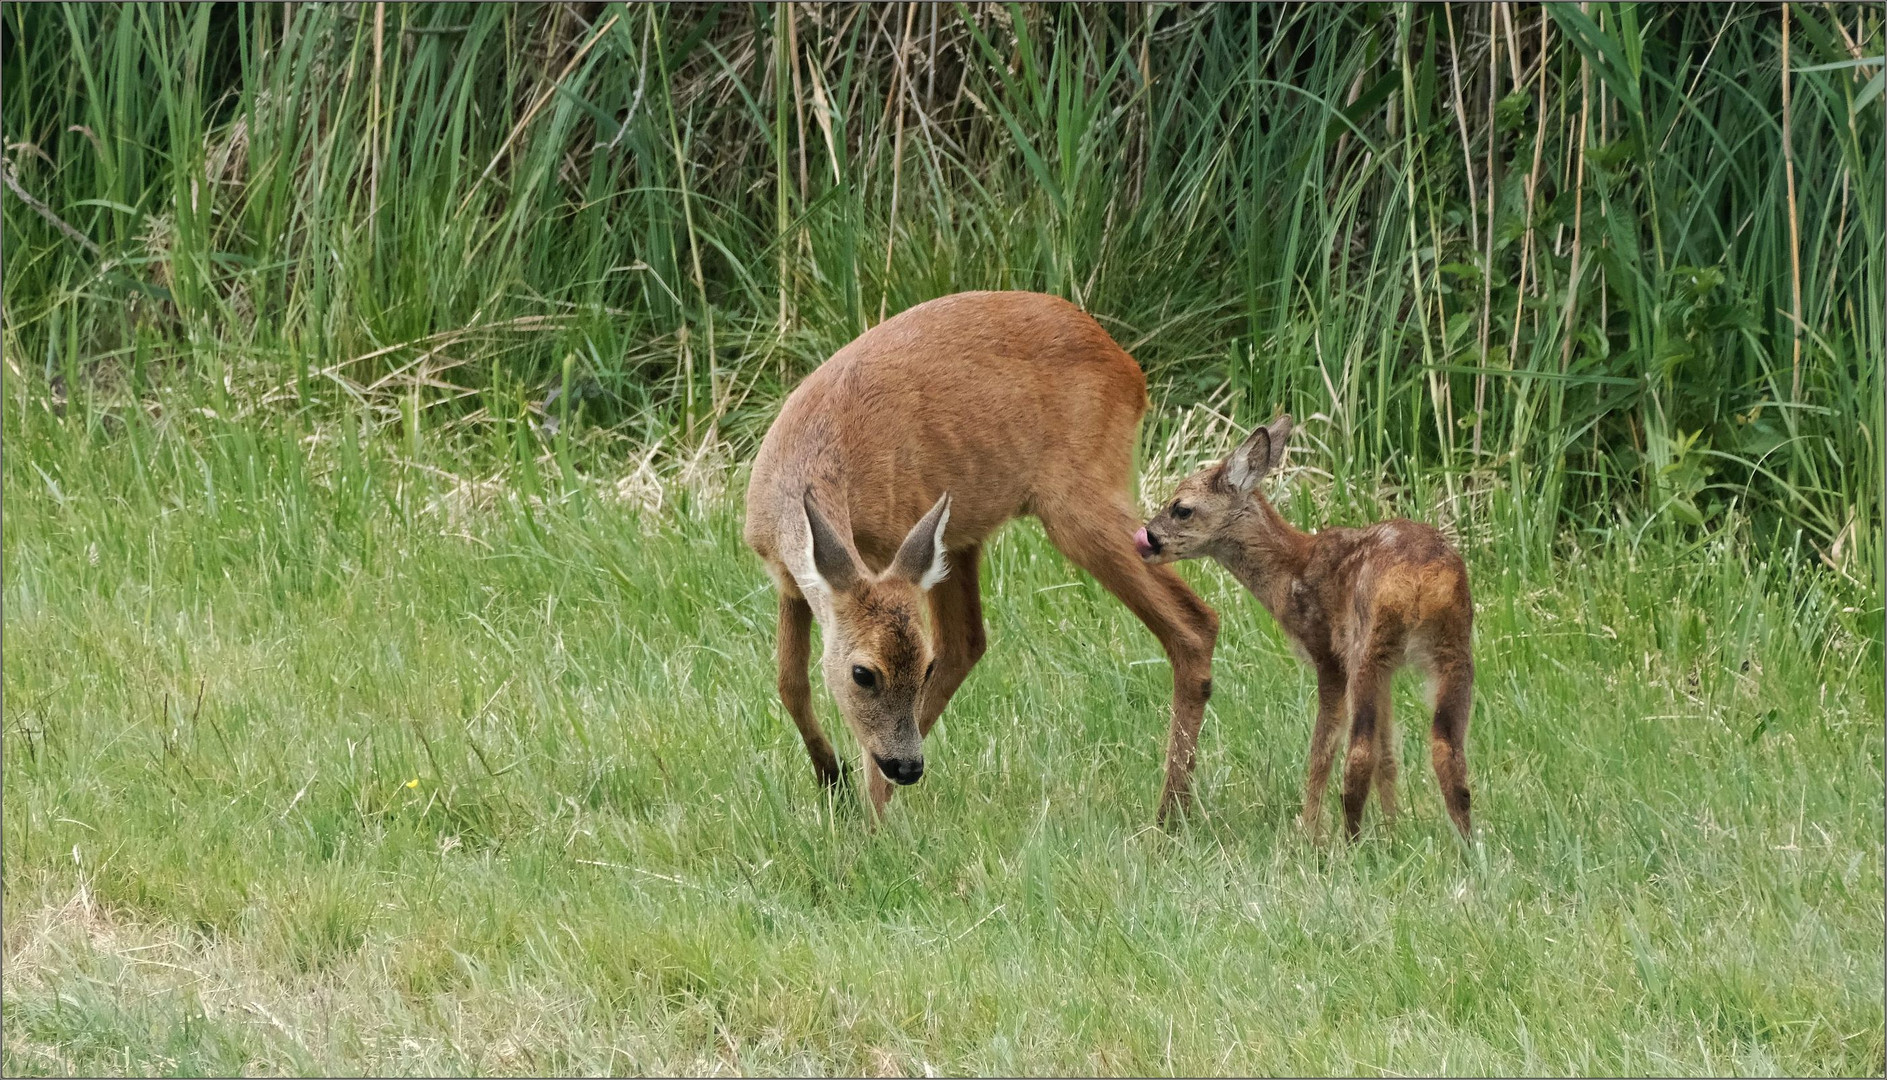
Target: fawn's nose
point(1146, 543)
point(901, 770)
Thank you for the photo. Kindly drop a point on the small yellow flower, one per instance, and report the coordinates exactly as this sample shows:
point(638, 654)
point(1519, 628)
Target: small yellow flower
point(414, 782)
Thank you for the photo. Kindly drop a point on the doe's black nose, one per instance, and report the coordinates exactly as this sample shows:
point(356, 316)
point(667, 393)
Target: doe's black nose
point(901, 770)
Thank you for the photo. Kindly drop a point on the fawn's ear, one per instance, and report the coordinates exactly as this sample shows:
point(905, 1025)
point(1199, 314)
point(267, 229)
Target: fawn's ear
point(834, 568)
point(1261, 452)
point(920, 559)
point(1280, 439)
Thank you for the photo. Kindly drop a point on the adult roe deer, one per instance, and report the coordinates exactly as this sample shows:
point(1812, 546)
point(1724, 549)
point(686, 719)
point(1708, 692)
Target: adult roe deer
point(1357, 604)
point(889, 466)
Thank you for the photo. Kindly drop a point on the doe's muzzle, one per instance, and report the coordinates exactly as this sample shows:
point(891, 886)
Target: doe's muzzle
point(900, 770)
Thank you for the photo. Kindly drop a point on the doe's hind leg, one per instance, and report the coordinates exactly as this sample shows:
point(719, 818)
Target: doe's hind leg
point(1097, 534)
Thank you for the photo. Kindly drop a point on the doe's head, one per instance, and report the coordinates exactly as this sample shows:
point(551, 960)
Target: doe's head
point(878, 655)
point(1210, 501)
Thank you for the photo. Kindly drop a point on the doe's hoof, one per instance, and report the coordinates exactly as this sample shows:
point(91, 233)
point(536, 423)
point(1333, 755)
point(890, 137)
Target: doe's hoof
point(836, 776)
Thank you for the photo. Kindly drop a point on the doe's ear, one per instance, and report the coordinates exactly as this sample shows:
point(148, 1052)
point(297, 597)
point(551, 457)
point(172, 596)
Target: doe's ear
point(1261, 452)
point(832, 561)
point(920, 559)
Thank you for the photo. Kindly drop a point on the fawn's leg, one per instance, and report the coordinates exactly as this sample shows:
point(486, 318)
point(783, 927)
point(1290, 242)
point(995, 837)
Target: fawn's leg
point(795, 647)
point(1359, 768)
point(1331, 696)
point(1386, 768)
point(1098, 535)
point(1448, 736)
point(956, 621)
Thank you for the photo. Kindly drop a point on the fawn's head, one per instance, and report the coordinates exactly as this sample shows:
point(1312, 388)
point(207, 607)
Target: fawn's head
point(878, 654)
point(1212, 500)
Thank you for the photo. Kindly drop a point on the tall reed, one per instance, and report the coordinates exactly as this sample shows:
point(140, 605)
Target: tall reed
point(1574, 265)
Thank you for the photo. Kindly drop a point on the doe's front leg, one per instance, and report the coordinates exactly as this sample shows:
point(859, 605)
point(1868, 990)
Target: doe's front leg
point(795, 654)
point(877, 789)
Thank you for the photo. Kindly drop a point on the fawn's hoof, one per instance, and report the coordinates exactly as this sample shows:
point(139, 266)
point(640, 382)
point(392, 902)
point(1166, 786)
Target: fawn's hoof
point(1173, 809)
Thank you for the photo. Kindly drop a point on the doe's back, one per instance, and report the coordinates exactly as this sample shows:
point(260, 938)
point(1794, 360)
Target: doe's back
point(995, 397)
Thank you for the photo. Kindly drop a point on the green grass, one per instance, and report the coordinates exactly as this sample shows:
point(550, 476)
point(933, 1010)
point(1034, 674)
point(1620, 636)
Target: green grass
point(303, 776)
point(357, 721)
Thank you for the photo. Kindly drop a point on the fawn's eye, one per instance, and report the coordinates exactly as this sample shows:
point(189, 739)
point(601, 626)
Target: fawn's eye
point(929, 669)
point(863, 676)
point(1181, 513)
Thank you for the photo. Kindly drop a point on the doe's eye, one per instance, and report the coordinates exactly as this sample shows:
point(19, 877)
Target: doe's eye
point(929, 669)
point(863, 676)
point(1181, 513)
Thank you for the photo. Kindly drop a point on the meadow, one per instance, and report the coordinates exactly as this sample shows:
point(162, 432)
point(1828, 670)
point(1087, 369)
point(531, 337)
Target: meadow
point(386, 688)
point(317, 764)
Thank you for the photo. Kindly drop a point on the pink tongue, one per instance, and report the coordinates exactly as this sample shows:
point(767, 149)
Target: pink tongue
point(1141, 543)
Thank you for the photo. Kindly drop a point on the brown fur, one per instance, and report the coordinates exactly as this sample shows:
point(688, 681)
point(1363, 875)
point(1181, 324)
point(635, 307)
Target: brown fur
point(1356, 603)
point(1008, 403)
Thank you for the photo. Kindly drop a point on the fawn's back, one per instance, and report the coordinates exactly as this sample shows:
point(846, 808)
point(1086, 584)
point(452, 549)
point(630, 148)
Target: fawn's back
point(1399, 573)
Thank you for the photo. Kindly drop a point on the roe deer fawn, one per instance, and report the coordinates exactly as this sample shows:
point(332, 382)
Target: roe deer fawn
point(977, 407)
point(1357, 604)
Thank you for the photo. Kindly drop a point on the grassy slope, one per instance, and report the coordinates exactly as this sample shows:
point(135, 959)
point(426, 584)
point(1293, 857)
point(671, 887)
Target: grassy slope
point(229, 655)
